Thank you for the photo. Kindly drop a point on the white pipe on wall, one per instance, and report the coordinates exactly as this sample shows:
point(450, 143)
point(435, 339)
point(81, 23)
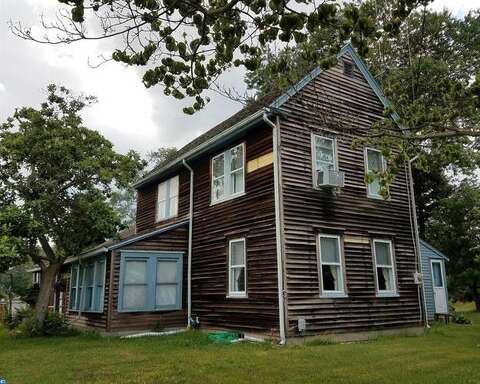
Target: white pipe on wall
point(190, 237)
point(418, 255)
point(276, 178)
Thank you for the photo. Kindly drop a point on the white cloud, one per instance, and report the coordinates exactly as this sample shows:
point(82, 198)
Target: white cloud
point(458, 7)
point(128, 114)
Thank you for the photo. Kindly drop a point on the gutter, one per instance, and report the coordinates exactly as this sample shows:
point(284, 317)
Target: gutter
point(190, 237)
point(278, 228)
point(86, 255)
point(245, 123)
point(418, 255)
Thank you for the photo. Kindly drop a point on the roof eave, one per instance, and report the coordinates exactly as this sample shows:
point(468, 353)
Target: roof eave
point(86, 255)
point(242, 124)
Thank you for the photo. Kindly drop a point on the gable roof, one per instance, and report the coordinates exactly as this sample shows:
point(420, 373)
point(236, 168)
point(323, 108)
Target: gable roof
point(254, 113)
point(441, 255)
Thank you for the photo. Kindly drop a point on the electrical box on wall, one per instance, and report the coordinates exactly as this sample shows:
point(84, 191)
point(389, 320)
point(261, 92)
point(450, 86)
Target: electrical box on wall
point(301, 325)
point(418, 278)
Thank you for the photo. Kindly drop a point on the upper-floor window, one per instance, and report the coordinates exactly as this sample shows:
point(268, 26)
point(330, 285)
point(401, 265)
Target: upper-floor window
point(228, 174)
point(374, 166)
point(167, 199)
point(87, 282)
point(325, 153)
point(150, 281)
point(384, 268)
point(331, 266)
point(237, 276)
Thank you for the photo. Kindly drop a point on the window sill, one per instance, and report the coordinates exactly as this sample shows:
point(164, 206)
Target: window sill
point(237, 296)
point(157, 221)
point(149, 310)
point(84, 311)
point(377, 197)
point(240, 194)
point(333, 295)
point(387, 294)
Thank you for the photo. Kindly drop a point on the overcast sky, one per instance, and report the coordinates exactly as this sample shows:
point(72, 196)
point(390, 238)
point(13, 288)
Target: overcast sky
point(128, 114)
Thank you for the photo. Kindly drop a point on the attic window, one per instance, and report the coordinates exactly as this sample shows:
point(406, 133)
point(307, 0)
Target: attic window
point(348, 68)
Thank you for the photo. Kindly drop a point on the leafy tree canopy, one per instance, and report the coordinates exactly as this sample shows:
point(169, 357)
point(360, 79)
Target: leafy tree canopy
point(55, 179)
point(15, 283)
point(430, 72)
point(188, 44)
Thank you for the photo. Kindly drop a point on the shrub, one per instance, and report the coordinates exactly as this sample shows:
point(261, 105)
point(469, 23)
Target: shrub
point(458, 318)
point(55, 324)
point(23, 322)
point(13, 320)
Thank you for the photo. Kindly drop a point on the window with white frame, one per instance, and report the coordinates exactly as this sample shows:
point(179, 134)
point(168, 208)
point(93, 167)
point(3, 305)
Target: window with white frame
point(384, 267)
point(167, 199)
point(150, 281)
point(331, 266)
point(87, 285)
point(228, 174)
point(374, 166)
point(325, 153)
point(237, 270)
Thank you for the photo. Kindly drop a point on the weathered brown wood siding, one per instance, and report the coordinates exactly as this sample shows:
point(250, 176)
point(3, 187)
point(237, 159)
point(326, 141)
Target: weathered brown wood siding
point(174, 240)
point(93, 320)
point(332, 104)
point(251, 216)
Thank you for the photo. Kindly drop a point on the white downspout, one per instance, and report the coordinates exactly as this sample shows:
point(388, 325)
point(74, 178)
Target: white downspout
point(276, 181)
point(418, 255)
point(190, 237)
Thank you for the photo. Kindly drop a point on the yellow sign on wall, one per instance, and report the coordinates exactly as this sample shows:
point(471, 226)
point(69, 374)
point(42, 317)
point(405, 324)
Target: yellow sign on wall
point(260, 162)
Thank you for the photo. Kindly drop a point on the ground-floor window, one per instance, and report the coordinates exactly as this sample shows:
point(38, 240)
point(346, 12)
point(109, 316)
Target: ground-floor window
point(331, 266)
point(384, 267)
point(237, 268)
point(150, 281)
point(87, 285)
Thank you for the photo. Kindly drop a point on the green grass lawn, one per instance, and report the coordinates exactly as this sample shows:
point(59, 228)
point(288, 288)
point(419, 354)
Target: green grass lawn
point(446, 354)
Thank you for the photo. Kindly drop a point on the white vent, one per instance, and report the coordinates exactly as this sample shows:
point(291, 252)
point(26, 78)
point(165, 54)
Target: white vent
point(330, 178)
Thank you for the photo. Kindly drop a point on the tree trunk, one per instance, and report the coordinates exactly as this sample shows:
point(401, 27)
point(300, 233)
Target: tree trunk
point(477, 303)
point(47, 284)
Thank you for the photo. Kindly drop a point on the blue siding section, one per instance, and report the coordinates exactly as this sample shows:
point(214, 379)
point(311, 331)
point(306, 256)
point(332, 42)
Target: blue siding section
point(428, 253)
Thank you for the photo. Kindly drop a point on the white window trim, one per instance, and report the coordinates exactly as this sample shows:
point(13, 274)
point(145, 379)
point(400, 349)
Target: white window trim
point(237, 294)
point(385, 293)
point(314, 156)
point(384, 167)
point(168, 197)
point(225, 172)
point(438, 261)
point(341, 264)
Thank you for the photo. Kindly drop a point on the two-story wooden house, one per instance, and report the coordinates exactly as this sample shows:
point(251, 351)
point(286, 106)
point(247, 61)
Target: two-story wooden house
point(265, 224)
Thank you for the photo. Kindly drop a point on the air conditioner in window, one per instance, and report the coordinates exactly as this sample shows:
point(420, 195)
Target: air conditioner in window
point(330, 178)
